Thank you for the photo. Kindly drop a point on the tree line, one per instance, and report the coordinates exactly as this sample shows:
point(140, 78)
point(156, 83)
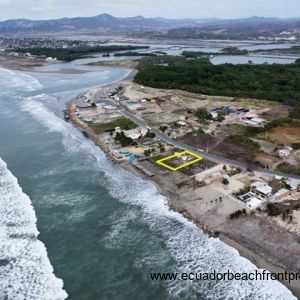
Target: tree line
point(271, 82)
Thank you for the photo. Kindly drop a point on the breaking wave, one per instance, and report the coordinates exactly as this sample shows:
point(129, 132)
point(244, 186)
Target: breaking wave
point(72, 139)
point(192, 250)
point(25, 270)
point(19, 81)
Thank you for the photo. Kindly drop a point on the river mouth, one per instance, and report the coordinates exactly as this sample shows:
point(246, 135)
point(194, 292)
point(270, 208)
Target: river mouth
point(105, 230)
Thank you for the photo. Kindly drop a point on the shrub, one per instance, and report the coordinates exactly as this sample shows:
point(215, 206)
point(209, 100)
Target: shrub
point(124, 140)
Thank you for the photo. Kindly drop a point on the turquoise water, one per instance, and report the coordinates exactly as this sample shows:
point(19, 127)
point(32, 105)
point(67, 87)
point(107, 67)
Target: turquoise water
point(102, 229)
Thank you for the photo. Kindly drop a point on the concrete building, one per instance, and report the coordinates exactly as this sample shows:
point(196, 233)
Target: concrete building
point(285, 152)
point(261, 190)
point(182, 123)
point(133, 134)
point(255, 122)
point(144, 131)
point(251, 201)
point(109, 108)
point(294, 184)
point(118, 129)
point(82, 103)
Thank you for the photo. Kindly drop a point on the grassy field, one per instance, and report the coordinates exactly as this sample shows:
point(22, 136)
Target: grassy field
point(282, 135)
point(123, 123)
point(125, 63)
point(179, 111)
point(256, 103)
point(288, 169)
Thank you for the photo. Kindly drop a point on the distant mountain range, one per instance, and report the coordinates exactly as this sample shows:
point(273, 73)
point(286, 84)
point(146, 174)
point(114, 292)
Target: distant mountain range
point(101, 23)
point(106, 23)
point(254, 27)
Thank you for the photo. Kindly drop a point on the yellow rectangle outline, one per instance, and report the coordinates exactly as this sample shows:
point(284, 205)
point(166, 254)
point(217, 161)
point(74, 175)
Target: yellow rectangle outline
point(197, 158)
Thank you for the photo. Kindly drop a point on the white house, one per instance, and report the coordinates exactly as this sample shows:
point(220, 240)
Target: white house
point(214, 115)
point(285, 152)
point(110, 108)
point(294, 184)
point(144, 131)
point(261, 190)
point(182, 123)
point(254, 203)
point(118, 129)
point(133, 134)
point(255, 122)
point(251, 201)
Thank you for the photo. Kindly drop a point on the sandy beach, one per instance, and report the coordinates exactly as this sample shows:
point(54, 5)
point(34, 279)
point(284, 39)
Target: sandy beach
point(254, 238)
point(20, 63)
point(265, 244)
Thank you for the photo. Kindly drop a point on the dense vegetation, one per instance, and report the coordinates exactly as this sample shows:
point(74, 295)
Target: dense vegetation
point(288, 169)
point(203, 115)
point(271, 82)
point(123, 123)
point(124, 140)
point(292, 50)
point(285, 209)
point(131, 53)
point(225, 51)
point(237, 214)
point(69, 54)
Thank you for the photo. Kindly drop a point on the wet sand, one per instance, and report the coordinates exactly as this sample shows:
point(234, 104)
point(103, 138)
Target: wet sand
point(20, 63)
point(255, 239)
point(276, 250)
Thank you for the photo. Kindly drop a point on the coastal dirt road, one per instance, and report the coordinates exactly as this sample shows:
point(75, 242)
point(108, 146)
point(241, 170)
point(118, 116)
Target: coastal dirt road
point(206, 155)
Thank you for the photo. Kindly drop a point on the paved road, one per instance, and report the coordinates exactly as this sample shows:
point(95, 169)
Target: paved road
point(208, 156)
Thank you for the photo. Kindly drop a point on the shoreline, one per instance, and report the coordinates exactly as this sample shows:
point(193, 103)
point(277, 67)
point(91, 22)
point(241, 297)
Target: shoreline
point(20, 63)
point(172, 201)
point(250, 255)
point(172, 197)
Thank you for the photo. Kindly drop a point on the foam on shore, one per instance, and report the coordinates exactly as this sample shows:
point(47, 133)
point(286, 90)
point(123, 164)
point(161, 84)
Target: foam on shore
point(25, 270)
point(19, 81)
point(192, 250)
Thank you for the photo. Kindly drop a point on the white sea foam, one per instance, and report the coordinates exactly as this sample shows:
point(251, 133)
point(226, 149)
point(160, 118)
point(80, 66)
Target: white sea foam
point(42, 114)
point(190, 247)
point(25, 270)
point(33, 83)
point(19, 81)
point(121, 222)
point(72, 140)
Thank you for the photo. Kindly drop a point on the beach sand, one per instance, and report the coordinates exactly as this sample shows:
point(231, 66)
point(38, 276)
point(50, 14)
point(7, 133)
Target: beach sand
point(20, 63)
point(265, 244)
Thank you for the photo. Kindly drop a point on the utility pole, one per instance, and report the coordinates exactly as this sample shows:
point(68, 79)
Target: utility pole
point(207, 146)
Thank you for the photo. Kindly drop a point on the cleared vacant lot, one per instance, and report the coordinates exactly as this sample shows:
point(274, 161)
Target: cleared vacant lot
point(282, 135)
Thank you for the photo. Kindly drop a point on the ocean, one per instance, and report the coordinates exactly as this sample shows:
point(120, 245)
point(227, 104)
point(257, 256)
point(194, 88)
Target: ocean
point(73, 224)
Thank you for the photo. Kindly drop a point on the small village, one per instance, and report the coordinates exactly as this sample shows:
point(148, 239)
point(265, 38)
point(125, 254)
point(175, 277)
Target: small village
point(26, 42)
point(105, 116)
point(150, 150)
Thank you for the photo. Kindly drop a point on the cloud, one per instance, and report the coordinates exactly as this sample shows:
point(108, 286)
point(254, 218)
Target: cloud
point(45, 9)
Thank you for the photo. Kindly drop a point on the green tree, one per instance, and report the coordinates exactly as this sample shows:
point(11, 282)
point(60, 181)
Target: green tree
point(225, 181)
point(124, 140)
point(203, 115)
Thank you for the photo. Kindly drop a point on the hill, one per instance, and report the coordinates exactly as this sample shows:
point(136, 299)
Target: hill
point(106, 23)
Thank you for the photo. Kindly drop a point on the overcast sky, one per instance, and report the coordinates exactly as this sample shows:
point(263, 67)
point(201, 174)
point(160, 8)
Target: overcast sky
point(48, 9)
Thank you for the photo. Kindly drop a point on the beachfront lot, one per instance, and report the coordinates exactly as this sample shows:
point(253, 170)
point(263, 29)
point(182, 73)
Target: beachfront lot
point(208, 202)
